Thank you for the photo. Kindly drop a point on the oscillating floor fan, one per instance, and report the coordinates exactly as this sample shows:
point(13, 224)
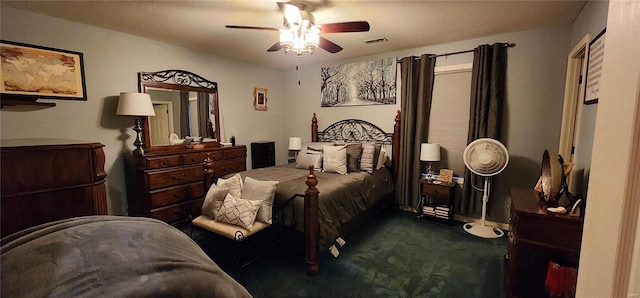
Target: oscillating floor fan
point(485, 157)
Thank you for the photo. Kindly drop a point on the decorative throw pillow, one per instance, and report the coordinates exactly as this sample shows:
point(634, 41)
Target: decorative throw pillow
point(239, 212)
point(354, 153)
point(213, 200)
point(314, 147)
point(367, 160)
point(382, 159)
point(263, 192)
point(334, 159)
point(304, 160)
point(234, 183)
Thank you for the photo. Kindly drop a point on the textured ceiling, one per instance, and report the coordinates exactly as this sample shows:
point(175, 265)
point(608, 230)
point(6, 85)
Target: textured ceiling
point(406, 24)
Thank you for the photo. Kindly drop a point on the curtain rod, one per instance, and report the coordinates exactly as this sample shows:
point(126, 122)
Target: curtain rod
point(505, 44)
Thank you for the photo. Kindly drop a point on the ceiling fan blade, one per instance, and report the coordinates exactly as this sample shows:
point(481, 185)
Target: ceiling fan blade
point(329, 46)
point(251, 27)
point(359, 26)
point(275, 47)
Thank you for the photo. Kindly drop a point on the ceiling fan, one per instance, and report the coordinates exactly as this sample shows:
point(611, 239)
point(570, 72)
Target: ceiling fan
point(300, 33)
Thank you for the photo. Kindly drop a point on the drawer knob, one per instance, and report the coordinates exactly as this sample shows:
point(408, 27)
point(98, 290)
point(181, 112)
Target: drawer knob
point(164, 163)
point(180, 194)
point(193, 159)
point(180, 177)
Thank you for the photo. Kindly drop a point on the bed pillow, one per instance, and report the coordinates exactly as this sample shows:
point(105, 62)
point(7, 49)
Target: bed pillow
point(234, 183)
point(263, 192)
point(354, 153)
point(334, 159)
point(382, 158)
point(368, 161)
point(304, 160)
point(314, 147)
point(213, 200)
point(239, 212)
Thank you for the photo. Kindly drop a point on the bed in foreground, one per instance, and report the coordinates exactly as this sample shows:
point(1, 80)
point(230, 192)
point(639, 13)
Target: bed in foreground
point(100, 256)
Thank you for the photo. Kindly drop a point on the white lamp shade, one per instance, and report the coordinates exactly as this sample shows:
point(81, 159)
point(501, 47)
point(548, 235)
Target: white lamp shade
point(295, 143)
point(429, 152)
point(135, 104)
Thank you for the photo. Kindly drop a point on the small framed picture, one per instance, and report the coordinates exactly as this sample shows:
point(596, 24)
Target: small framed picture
point(260, 99)
point(446, 175)
point(594, 69)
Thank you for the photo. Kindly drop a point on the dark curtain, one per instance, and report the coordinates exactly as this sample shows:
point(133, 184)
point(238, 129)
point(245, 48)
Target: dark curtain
point(416, 92)
point(488, 81)
point(203, 113)
point(185, 130)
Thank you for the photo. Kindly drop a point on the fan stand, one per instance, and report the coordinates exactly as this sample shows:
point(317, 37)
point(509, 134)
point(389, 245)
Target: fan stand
point(482, 230)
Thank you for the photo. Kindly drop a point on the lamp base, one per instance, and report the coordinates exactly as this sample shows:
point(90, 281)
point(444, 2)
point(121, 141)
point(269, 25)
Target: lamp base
point(137, 126)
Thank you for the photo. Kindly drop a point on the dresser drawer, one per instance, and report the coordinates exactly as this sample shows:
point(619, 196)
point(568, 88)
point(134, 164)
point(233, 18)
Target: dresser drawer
point(177, 194)
point(435, 190)
point(162, 162)
point(166, 178)
point(198, 158)
point(227, 167)
point(178, 212)
point(235, 153)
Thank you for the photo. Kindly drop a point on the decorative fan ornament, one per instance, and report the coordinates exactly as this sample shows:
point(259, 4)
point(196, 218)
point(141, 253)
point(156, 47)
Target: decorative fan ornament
point(551, 178)
point(485, 157)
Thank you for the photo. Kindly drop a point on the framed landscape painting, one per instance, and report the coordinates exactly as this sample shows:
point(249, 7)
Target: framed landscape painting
point(39, 72)
point(357, 84)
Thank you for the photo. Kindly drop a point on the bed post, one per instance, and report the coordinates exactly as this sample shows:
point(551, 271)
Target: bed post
point(395, 148)
point(311, 224)
point(314, 128)
point(208, 172)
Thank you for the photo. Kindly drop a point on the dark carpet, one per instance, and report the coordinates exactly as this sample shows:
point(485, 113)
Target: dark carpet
point(396, 255)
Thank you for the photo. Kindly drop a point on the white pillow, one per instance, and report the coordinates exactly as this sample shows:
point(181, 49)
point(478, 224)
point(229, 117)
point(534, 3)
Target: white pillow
point(382, 158)
point(234, 183)
point(314, 147)
point(304, 160)
point(263, 192)
point(334, 159)
point(239, 212)
point(213, 200)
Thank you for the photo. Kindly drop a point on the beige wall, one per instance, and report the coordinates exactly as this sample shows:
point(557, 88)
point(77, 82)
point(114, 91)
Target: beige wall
point(111, 63)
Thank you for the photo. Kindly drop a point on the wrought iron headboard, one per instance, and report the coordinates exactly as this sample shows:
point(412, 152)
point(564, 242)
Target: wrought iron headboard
point(354, 130)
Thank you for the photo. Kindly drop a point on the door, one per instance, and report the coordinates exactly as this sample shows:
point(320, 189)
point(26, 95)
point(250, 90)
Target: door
point(159, 125)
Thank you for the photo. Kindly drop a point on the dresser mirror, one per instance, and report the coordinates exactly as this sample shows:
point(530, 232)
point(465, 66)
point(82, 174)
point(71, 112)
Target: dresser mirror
point(186, 107)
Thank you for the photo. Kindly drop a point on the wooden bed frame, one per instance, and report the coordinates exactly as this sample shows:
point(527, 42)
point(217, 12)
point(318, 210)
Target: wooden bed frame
point(350, 130)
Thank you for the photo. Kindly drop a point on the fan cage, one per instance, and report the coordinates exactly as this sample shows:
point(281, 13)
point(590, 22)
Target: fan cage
point(486, 157)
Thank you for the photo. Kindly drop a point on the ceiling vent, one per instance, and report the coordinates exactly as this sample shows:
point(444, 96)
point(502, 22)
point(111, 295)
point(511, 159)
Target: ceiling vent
point(377, 40)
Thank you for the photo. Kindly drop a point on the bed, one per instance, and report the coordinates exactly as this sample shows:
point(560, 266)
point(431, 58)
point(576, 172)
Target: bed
point(322, 206)
point(109, 256)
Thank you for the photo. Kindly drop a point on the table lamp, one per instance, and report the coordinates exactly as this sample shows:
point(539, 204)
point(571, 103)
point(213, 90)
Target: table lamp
point(429, 152)
point(139, 105)
point(295, 144)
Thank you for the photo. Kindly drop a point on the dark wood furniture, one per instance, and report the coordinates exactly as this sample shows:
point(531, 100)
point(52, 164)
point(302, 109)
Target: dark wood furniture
point(437, 200)
point(45, 180)
point(536, 237)
point(263, 154)
point(171, 186)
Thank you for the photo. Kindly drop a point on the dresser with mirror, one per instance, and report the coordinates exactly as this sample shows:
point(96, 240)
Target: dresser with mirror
point(165, 180)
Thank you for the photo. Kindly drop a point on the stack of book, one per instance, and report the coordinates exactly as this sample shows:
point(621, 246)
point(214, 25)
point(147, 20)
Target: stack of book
point(440, 211)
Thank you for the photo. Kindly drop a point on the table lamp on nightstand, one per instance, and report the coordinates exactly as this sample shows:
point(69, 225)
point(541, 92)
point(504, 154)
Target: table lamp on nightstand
point(295, 144)
point(139, 105)
point(429, 152)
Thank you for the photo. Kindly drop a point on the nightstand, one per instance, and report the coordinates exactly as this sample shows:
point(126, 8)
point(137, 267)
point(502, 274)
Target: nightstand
point(437, 200)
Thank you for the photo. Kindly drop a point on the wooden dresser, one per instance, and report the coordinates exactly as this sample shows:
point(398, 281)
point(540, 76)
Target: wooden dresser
point(536, 237)
point(45, 180)
point(170, 186)
point(263, 154)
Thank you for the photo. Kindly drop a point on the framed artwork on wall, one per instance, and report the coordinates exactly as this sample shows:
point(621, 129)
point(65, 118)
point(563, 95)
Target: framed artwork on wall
point(356, 84)
point(260, 99)
point(30, 71)
point(594, 69)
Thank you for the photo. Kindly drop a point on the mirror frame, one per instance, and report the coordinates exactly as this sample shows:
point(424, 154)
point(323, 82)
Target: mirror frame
point(183, 81)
